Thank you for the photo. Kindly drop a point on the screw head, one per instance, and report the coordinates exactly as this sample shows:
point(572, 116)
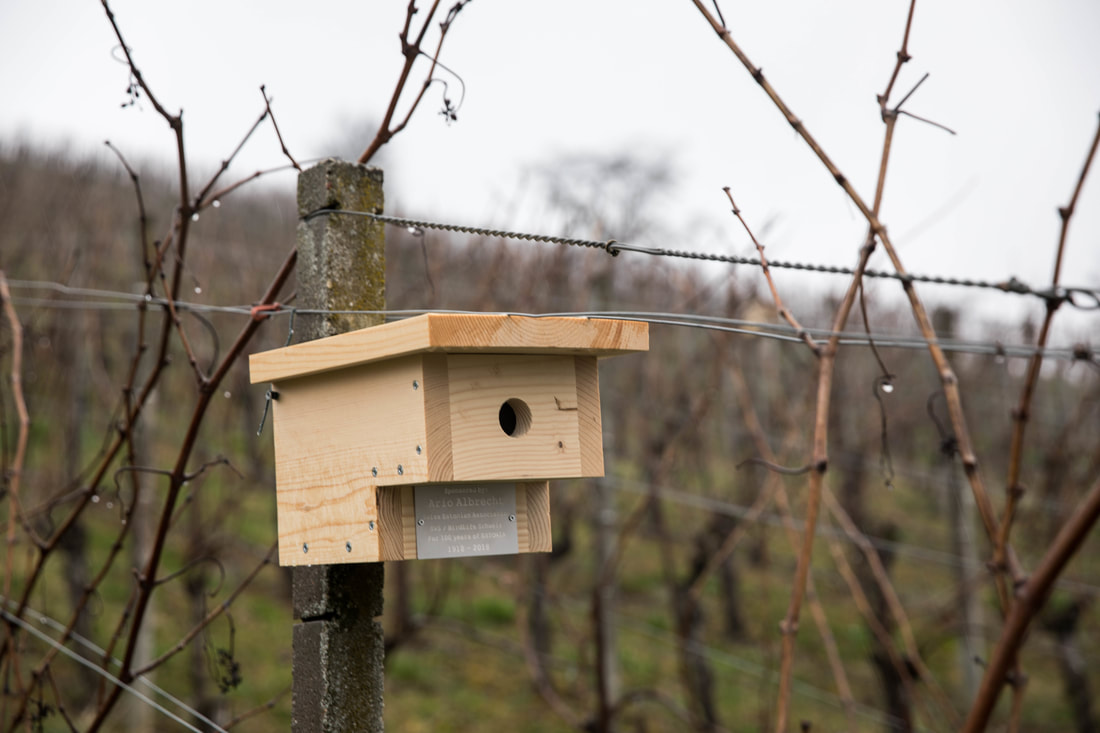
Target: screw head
point(370, 525)
point(347, 546)
point(511, 517)
point(374, 472)
point(305, 547)
point(400, 470)
point(420, 522)
point(418, 450)
point(416, 384)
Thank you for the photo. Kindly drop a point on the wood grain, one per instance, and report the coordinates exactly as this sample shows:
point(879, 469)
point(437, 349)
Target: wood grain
point(480, 384)
point(589, 419)
point(331, 430)
point(397, 522)
point(437, 416)
point(533, 516)
point(454, 333)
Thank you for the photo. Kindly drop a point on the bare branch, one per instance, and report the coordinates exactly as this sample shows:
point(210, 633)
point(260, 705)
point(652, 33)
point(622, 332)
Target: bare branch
point(14, 473)
point(902, 56)
point(207, 620)
point(411, 51)
point(202, 200)
point(1029, 600)
point(1020, 415)
point(143, 219)
point(267, 101)
point(781, 309)
point(257, 710)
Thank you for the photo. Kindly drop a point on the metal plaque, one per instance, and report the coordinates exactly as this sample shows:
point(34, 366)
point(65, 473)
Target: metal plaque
point(465, 520)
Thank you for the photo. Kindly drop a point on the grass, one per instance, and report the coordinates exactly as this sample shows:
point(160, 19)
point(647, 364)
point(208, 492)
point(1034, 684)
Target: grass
point(466, 670)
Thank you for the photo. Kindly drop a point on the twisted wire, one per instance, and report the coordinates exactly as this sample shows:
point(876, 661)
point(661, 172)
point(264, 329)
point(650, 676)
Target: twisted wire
point(1078, 297)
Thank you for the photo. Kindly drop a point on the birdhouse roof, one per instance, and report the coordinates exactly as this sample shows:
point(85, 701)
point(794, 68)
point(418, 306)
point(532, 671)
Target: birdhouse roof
point(452, 333)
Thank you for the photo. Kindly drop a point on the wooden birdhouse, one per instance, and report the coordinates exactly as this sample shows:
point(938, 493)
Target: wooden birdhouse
point(434, 436)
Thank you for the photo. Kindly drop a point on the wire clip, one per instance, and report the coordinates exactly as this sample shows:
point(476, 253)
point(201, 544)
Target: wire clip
point(260, 312)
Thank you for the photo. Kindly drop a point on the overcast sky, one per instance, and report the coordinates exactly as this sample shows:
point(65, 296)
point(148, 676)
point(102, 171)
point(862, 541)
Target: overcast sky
point(1019, 82)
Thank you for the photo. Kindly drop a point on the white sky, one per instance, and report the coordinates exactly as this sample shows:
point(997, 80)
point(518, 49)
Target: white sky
point(1019, 81)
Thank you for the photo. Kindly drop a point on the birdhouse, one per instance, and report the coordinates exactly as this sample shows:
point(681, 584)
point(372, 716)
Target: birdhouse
point(434, 436)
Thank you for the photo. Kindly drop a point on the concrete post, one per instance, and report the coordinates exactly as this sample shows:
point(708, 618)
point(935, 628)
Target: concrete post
point(338, 646)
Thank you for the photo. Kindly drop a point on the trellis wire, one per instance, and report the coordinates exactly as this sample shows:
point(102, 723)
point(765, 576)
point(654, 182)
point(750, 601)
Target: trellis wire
point(771, 519)
point(52, 623)
point(776, 331)
point(45, 638)
point(1086, 298)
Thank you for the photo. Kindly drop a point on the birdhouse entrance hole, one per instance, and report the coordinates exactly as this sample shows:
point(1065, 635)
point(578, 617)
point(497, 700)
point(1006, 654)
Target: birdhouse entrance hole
point(515, 417)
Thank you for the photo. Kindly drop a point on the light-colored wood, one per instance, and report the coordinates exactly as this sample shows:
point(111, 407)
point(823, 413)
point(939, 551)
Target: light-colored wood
point(331, 430)
point(453, 333)
point(437, 415)
point(363, 416)
point(533, 516)
point(408, 523)
point(390, 525)
point(588, 415)
point(480, 384)
point(397, 522)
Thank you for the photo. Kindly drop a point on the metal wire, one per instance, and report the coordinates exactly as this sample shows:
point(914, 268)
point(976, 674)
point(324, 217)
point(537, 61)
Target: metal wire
point(45, 620)
point(771, 519)
point(775, 331)
point(1078, 297)
point(42, 636)
point(646, 628)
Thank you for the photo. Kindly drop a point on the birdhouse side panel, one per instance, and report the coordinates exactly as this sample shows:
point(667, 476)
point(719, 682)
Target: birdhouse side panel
point(533, 516)
point(338, 435)
point(589, 417)
point(437, 417)
point(513, 417)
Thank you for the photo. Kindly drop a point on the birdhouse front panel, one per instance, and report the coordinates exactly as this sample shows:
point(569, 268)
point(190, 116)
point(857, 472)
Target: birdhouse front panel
point(338, 435)
point(519, 418)
point(363, 419)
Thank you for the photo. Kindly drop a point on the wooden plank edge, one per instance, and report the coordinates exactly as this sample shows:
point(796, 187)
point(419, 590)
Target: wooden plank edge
point(451, 333)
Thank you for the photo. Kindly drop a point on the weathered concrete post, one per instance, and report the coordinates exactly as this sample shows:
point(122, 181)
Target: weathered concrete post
point(338, 646)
